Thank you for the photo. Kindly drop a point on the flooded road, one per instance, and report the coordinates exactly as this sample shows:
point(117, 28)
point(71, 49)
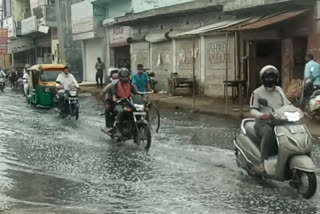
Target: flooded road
point(54, 165)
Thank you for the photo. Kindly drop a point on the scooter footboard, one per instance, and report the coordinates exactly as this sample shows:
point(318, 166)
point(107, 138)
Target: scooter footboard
point(303, 163)
point(248, 149)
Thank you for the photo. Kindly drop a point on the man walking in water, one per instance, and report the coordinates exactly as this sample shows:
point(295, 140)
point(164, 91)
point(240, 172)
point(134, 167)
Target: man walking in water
point(100, 67)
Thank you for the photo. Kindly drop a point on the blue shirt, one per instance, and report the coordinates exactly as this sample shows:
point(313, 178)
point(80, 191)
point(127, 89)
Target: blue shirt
point(312, 69)
point(141, 81)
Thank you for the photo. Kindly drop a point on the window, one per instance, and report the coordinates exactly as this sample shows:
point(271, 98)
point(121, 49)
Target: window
point(50, 76)
point(7, 8)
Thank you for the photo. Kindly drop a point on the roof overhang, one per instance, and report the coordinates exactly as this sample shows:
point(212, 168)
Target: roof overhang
point(195, 7)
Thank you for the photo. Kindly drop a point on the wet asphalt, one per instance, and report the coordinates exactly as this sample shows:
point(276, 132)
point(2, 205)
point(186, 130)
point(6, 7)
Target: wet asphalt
point(50, 164)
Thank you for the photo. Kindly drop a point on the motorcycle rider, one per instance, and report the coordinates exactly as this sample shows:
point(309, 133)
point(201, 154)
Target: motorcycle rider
point(107, 98)
point(121, 90)
point(269, 76)
point(311, 79)
point(65, 80)
point(141, 80)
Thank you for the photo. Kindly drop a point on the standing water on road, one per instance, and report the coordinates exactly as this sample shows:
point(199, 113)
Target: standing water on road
point(53, 165)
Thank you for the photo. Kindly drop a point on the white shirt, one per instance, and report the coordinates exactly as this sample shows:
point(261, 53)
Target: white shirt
point(67, 81)
point(25, 77)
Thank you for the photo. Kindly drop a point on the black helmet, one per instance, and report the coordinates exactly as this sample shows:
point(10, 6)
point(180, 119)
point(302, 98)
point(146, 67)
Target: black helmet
point(124, 75)
point(269, 76)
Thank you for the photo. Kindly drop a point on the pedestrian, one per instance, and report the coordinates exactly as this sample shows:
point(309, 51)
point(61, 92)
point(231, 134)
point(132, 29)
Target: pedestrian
point(26, 80)
point(141, 80)
point(100, 67)
point(311, 79)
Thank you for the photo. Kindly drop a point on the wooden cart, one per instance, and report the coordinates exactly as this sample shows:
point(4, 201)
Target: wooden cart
point(175, 82)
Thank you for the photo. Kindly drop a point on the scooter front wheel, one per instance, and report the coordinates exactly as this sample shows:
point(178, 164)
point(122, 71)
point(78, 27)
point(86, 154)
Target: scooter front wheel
point(307, 184)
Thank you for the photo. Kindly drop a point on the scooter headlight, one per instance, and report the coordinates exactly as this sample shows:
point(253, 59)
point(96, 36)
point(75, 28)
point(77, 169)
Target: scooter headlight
point(292, 116)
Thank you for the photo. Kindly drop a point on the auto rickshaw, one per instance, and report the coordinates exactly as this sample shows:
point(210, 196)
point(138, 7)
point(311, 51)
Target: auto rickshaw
point(42, 84)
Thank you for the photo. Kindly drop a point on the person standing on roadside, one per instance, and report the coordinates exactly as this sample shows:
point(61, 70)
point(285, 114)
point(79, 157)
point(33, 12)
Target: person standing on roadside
point(100, 67)
point(311, 79)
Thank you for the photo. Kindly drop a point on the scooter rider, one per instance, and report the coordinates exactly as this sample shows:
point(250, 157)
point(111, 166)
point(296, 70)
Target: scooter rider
point(276, 98)
point(121, 90)
point(65, 80)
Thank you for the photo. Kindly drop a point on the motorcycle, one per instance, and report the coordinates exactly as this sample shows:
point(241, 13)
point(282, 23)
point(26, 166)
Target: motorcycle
point(135, 125)
point(152, 79)
point(293, 161)
point(71, 105)
point(2, 84)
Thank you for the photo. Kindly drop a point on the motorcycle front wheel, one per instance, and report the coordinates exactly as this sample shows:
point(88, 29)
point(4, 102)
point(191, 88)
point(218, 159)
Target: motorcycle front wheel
point(307, 184)
point(143, 136)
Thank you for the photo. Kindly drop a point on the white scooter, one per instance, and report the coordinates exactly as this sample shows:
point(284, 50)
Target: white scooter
point(293, 161)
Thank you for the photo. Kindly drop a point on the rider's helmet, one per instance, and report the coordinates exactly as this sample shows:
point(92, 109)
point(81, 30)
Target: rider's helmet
point(124, 75)
point(269, 76)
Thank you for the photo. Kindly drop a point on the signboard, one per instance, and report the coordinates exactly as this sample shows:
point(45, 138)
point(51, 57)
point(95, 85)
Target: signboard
point(29, 25)
point(8, 23)
point(119, 36)
point(82, 17)
point(21, 44)
point(36, 3)
point(3, 41)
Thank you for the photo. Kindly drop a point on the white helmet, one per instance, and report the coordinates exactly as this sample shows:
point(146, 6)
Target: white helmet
point(269, 76)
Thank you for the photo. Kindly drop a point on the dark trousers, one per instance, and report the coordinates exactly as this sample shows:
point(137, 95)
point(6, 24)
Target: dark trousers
point(99, 76)
point(269, 144)
point(118, 109)
point(109, 116)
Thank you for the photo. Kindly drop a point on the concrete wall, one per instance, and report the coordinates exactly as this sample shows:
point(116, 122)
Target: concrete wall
point(216, 52)
point(93, 50)
point(118, 8)
point(73, 49)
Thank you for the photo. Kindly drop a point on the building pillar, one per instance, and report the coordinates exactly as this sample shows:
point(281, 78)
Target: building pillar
point(203, 65)
point(84, 62)
point(174, 56)
point(287, 62)
point(314, 36)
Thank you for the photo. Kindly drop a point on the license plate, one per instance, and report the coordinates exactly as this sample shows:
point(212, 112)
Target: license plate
point(297, 129)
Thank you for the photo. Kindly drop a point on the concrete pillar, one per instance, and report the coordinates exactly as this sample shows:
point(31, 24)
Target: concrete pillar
point(203, 62)
point(174, 56)
point(287, 62)
point(314, 37)
point(84, 62)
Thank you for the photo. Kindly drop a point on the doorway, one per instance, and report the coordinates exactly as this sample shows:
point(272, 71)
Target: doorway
point(262, 53)
point(122, 56)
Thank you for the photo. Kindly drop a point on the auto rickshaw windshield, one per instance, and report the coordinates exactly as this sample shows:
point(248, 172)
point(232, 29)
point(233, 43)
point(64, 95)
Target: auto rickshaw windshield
point(50, 76)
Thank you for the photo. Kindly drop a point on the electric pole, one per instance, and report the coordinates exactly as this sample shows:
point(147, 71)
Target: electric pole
point(60, 31)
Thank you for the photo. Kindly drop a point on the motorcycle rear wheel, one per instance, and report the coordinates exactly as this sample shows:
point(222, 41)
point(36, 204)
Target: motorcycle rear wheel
point(143, 136)
point(307, 191)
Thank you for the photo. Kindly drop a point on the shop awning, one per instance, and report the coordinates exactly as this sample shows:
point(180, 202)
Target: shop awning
point(249, 23)
point(264, 21)
point(213, 27)
point(157, 37)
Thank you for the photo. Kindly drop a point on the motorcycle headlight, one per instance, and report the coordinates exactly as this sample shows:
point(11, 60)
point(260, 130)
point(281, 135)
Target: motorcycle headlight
point(73, 93)
point(139, 107)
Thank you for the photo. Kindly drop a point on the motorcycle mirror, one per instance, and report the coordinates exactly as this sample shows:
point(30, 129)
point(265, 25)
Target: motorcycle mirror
point(263, 102)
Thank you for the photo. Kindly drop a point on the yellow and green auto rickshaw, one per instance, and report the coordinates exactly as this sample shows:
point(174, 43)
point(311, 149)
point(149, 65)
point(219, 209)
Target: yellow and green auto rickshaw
point(42, 84)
